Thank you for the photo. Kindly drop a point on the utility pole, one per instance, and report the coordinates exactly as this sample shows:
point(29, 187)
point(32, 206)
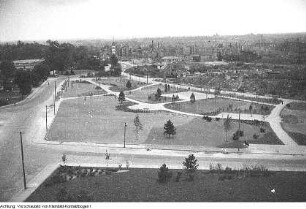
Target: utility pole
point(239, 120)
point(22, 161)
point(46, 117)
point(124, 135)
point(54, 96)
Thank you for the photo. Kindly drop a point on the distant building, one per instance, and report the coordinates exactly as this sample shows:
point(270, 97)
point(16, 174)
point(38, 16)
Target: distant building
point(27, 64)
point(171, 59)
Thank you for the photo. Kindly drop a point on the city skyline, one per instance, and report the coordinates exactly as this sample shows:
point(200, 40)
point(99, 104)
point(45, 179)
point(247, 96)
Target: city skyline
point(92, 19)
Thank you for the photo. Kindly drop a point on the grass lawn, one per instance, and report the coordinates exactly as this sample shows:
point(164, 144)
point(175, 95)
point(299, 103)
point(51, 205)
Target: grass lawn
point(143, 94)
point(96, 120)
point(119, 84)
point(297, 106)
point(76, 89)
point(207, 105)
point(140, 185)
point(299, 138)
point(294, 121)
point(198, 132)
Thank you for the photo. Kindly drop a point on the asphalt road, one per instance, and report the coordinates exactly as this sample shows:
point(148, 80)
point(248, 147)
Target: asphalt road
point(13, 119)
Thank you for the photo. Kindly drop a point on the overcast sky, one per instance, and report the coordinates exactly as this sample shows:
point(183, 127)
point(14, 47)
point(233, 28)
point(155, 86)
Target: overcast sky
point(81, 19)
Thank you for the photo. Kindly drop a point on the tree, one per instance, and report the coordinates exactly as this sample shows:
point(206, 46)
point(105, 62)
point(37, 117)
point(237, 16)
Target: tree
point(128, 84)
point(7, 70)
point(121, 97)
point(192, 98)
point(138, 126)
point(169, 128)
point(191, 165)
point(166, 87)
point(227, 125)
point(158, 94)
point(40, 73)
point(113, 60)
point(163, 174)
point(250, 109)
point(23, 81)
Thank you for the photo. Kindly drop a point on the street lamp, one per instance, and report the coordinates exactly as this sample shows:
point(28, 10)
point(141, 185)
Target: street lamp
point(22, 161)
point(124, 135)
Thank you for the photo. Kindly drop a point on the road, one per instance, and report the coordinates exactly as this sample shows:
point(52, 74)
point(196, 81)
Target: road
point(13, 119)
point(28, 117)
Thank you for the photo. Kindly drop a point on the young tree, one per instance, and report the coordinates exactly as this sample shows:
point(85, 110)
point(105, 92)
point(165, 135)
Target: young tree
point(138, 126)
point(158, 94)
point(191, 165)
point(163, 174)
point(128, 84)
point(169, 128)
point(227, 125)
point(166, 87)
point(121, 97)
point(192, 98)
point(250, 109)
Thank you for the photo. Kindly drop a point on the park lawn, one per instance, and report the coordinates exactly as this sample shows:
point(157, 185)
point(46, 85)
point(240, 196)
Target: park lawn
point(10, 97)
point(96, 120)
point(140, 185)
point(199, 132)
point(77, 89)
point(297, 106)
point(119, 84)
point(294, 122)
point(206, 106)
point(143, 93)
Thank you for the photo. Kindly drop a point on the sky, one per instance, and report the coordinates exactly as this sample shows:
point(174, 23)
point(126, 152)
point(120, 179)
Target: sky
point(29, 20)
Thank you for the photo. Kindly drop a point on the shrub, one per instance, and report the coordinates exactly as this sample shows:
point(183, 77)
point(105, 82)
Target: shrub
point(178, 176)
point(255, 136)
point(262, 130)
point(217, 119)
point(98, 88)
point(163, 174)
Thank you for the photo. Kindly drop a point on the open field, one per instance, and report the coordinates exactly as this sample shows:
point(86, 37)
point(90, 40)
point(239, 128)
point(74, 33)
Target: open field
point(77, 89)
point(119, 84)
point(140, 185)
point(294, 121)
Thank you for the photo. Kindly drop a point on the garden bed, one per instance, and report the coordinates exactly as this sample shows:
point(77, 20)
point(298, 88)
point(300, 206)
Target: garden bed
point(141, 185)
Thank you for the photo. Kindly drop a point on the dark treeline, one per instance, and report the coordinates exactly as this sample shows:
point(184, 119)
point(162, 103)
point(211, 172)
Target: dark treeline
point(63, 58)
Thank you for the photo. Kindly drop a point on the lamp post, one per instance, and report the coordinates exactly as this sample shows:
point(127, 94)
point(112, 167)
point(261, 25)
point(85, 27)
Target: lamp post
point(22, 161)
point(124, 135)
point(54, 96)
point(46, 117)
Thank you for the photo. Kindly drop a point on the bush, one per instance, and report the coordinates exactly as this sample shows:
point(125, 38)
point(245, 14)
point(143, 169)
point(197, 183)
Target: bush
point(98, 88)
point(178, 176)
point(217, 119)
point(255, 136)
point(262, 130)
point(207, 118)
point(163, 174)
